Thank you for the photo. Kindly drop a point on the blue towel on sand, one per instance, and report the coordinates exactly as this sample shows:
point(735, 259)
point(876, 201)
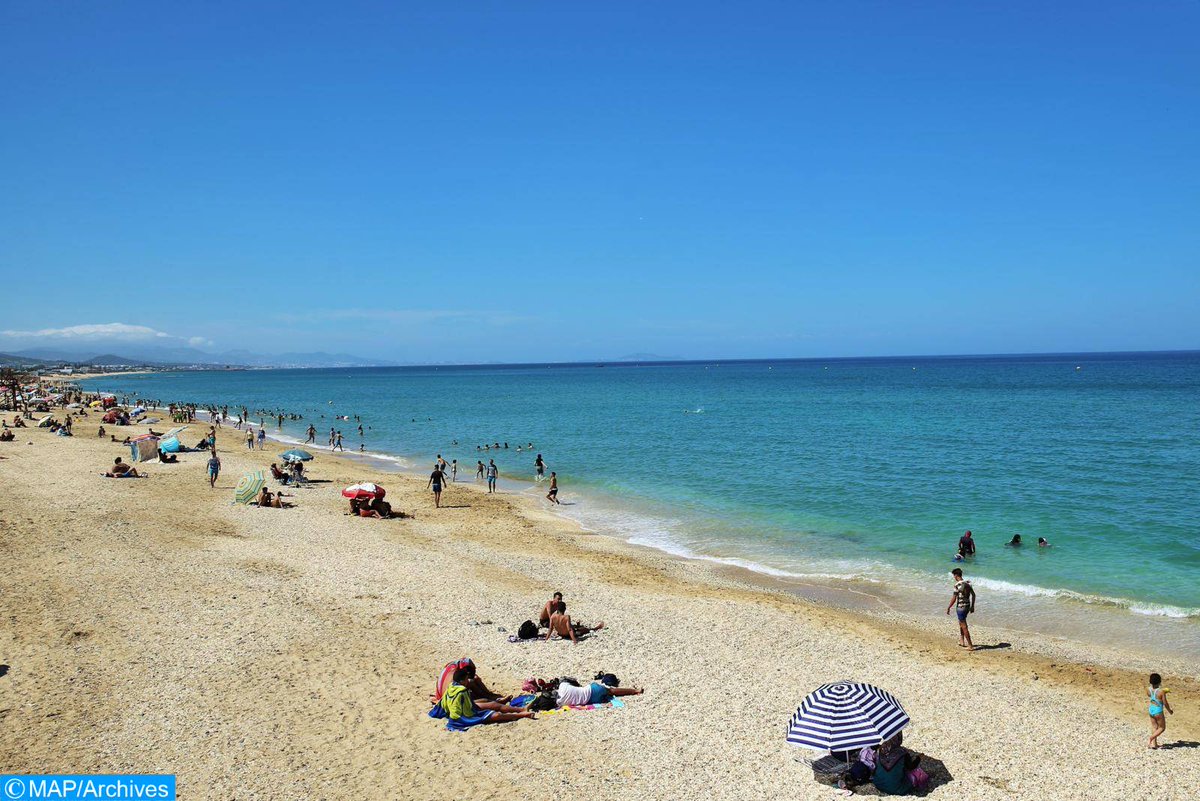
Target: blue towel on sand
point(462, 724)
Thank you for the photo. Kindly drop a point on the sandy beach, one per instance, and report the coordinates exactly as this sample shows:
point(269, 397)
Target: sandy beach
point(152, 626)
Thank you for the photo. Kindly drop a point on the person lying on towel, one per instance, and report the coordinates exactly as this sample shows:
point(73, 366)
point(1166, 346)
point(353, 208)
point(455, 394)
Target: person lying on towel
point(570, 693)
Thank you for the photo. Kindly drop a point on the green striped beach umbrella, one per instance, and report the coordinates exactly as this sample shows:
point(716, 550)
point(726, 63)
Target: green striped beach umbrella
point(249, 487)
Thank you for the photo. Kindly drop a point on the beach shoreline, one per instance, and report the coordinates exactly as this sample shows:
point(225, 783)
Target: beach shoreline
point(1091, 628)
point(363, 613)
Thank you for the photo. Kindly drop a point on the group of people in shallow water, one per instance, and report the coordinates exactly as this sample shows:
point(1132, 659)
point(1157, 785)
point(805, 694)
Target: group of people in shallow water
point(966, 545)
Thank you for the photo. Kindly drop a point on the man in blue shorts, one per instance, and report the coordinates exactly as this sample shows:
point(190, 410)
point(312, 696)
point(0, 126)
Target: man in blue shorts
point(963, 602)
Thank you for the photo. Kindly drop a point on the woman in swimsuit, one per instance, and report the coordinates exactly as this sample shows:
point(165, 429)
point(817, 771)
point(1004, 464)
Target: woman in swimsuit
point(1158, 702)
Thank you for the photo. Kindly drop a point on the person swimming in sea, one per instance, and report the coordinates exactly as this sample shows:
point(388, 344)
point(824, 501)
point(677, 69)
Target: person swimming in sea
point(1015, 542)
point(1042, 543)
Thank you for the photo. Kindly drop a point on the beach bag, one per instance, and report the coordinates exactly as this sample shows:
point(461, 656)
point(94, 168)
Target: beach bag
point(528, 630)
point(544, 701)
point(918, 778)
point(608, 679)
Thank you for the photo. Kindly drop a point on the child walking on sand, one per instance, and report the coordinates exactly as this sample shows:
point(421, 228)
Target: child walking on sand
point(1158, 702)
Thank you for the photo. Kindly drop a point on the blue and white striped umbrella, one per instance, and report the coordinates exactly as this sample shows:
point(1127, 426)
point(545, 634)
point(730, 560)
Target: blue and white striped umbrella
point(844, 716)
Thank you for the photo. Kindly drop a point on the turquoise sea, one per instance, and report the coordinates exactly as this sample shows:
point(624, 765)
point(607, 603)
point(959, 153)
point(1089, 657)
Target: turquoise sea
point(858, 472)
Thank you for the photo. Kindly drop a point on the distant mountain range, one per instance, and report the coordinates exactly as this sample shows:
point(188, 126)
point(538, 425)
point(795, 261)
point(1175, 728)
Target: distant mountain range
point(160, 356)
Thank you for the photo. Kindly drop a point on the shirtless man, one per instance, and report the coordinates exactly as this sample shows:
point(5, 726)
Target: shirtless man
point(121, 470)
point(548, 610)
point(561, 624)
point(272, 500)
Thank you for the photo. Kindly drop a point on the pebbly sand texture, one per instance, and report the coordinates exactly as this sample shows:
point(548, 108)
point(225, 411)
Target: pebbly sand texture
point(151, 626)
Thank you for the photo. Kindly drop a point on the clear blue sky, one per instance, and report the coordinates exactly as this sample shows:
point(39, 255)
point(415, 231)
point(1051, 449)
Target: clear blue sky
point(553, 181)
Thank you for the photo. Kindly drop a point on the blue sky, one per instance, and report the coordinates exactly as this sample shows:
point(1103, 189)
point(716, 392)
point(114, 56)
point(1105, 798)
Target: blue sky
point(556, 181)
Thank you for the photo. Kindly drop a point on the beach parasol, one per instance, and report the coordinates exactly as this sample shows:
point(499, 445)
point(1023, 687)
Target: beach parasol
point(69, 405)
point(249, 487)
point(174, 432)
point(845, 716)
point(365, 491)
point(296, 455)
point(45, 421)
point(138, 410)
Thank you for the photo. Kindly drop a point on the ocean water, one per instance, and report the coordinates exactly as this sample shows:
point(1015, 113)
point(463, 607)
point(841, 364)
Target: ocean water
point(861, 473)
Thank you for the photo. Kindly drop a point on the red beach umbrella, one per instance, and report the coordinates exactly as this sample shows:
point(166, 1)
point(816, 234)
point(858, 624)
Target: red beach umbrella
point(365, 491)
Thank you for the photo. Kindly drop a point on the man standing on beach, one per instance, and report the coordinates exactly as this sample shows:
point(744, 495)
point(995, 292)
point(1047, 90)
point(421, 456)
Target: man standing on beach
point(338, 445)
point(312, 434)
point(436, 479)
point(262, 439)
point(478, 468)
point(552, 495)
point(491, 475)
point(963, 602)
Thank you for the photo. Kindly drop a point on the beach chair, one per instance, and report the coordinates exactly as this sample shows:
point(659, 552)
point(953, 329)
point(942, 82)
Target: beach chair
point(827, 769)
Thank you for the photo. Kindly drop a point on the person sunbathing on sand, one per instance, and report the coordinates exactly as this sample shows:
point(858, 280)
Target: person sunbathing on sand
point(570, 693)
point(548, 609)
point(272, 499)
point(458, 704)
point(121, 470)
point(480, 694)
point(561, 624)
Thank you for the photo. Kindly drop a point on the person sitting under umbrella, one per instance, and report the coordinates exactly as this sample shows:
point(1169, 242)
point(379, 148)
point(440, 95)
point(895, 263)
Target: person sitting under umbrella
point(279, 475)
point(896, 768)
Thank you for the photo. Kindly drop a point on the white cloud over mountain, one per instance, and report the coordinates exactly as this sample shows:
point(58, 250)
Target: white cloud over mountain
point(102, 332)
